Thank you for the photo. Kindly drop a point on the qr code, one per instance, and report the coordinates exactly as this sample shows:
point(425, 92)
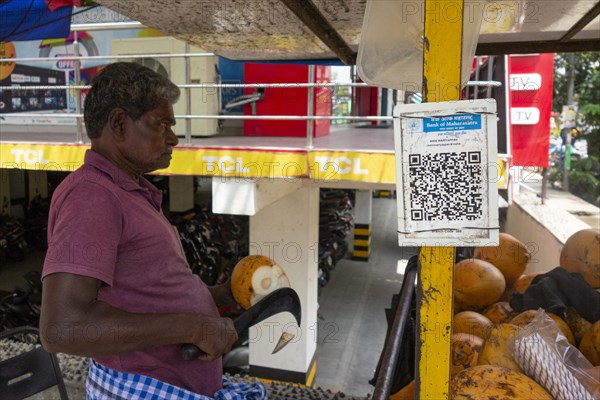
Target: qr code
point(446, 186)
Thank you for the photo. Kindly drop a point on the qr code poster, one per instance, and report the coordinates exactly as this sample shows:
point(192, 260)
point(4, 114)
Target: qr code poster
point(445, 153)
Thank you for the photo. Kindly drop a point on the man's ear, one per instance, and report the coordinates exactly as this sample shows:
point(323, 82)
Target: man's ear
point(117, 123)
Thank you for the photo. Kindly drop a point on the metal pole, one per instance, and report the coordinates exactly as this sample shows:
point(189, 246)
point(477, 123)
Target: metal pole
point(391, 351)
point(111, 57)
point(441, 69)
point(570, 96)
point(188, 97)
point(544, 184)
point(508, 123)
point(477, 70)
point(219, 85)
point(229, 117)
point(106, 25)
point(79, 118)
point(490, 75)
point(310, 125)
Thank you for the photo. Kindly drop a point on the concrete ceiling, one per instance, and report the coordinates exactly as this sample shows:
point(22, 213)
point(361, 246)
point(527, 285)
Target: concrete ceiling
point(246, 29)
point(269, 30)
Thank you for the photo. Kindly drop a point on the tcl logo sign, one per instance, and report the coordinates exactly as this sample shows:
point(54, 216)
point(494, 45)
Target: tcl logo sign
point(29, 156)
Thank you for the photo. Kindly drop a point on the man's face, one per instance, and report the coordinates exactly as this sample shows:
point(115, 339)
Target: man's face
point(149, 144)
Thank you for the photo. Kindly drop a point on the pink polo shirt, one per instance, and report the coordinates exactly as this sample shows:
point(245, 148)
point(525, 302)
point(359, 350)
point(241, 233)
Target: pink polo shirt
point(104, 225)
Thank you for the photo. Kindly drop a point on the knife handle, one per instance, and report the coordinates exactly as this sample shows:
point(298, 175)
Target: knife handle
point(190, 351)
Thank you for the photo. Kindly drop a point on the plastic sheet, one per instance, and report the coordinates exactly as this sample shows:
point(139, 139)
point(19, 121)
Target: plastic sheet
point(391, 46)
point(547, 357)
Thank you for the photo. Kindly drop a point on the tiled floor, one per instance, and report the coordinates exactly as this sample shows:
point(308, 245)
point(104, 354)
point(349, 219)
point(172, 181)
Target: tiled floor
point(352, 318)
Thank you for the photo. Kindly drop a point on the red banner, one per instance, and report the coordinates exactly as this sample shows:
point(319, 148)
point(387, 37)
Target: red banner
point(530, 81)
point(54, 4)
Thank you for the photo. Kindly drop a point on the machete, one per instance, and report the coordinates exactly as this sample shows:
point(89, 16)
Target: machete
point(280, 300)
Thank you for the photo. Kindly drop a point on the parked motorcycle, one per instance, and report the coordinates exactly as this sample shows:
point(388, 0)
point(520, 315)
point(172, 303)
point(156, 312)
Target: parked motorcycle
point(22, 306)
point(12, 238)
point(213, 243)
point(336, 221)
point(35, 223)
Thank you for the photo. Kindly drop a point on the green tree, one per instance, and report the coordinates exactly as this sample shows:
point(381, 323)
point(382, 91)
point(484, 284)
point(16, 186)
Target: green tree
point(587, 94)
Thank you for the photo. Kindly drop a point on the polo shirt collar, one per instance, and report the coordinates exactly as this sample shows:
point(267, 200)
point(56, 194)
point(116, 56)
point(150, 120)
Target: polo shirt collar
point(119, 176)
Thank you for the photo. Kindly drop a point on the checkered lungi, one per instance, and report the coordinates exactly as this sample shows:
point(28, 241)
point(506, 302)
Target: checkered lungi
point(107, 384)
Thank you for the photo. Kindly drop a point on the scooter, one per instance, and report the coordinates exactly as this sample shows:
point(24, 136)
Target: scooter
point(12, 236)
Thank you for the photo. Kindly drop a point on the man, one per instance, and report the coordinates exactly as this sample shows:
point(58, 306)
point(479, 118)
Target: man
point(116, 284)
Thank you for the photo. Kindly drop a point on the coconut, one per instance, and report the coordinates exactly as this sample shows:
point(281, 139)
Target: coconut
point(581, 253)
point(465, 350)
point(510, 257)
point(477, 284)
point(524, 281)
point(590, 344)
point(527, 316)
point(496, 350)
point(578, 325)
point(486, 382)
point(254, 277)
point(472, 323)
point(499, 312)
point(523, 318)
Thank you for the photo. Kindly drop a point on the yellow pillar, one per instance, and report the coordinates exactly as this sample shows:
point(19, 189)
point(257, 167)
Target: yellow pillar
point(441, 82)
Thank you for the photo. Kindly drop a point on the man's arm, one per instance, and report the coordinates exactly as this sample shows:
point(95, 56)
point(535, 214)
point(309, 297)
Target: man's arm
point(73, 321)
point(223, 296)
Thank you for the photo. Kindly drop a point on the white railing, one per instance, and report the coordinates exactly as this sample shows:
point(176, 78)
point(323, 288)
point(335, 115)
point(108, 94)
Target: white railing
point(78, 115)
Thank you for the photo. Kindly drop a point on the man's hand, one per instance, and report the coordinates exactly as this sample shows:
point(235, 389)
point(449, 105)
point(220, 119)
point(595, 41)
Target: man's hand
point(224, 299)
point(216, 338)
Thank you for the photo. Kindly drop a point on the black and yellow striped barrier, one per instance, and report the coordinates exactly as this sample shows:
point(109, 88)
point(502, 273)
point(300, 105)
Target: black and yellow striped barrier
point(362, 242)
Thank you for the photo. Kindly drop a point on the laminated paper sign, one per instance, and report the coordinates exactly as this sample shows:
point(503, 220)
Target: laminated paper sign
point(447, 173)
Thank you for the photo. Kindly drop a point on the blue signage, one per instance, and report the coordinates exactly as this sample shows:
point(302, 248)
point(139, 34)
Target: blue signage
point(458, 122)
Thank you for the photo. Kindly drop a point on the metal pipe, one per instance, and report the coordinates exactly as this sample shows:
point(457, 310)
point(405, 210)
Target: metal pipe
point(230, 117)
point(310, 124)
point(276, 85)
point(477, 70)
point(112, 57)
point(202, 86)
point(567, 126)
point(507, 109)
point(582, 23)
point(391, 351)
point(100, 26)
point(79, 118)
point(285, 117)
point(41, 115)
point(311, 16)
point(544, 194)
point(239, 85)
point(188, 96)
point(490, 75)
point(545, 46)
point(527, 187)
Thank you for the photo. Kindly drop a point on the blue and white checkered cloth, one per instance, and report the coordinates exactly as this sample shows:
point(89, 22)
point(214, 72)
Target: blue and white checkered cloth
point(107, 384)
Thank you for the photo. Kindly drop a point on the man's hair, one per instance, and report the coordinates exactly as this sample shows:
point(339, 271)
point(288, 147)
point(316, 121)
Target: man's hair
point(130, 86)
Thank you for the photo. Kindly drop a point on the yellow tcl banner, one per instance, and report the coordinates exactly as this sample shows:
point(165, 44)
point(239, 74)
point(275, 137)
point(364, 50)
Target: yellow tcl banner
point(247, 163)
point(43, 157)
point(186, 161)
point(353, 166)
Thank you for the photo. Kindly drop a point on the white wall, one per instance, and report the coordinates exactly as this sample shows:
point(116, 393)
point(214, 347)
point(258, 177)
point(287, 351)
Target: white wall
point(544, 228)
